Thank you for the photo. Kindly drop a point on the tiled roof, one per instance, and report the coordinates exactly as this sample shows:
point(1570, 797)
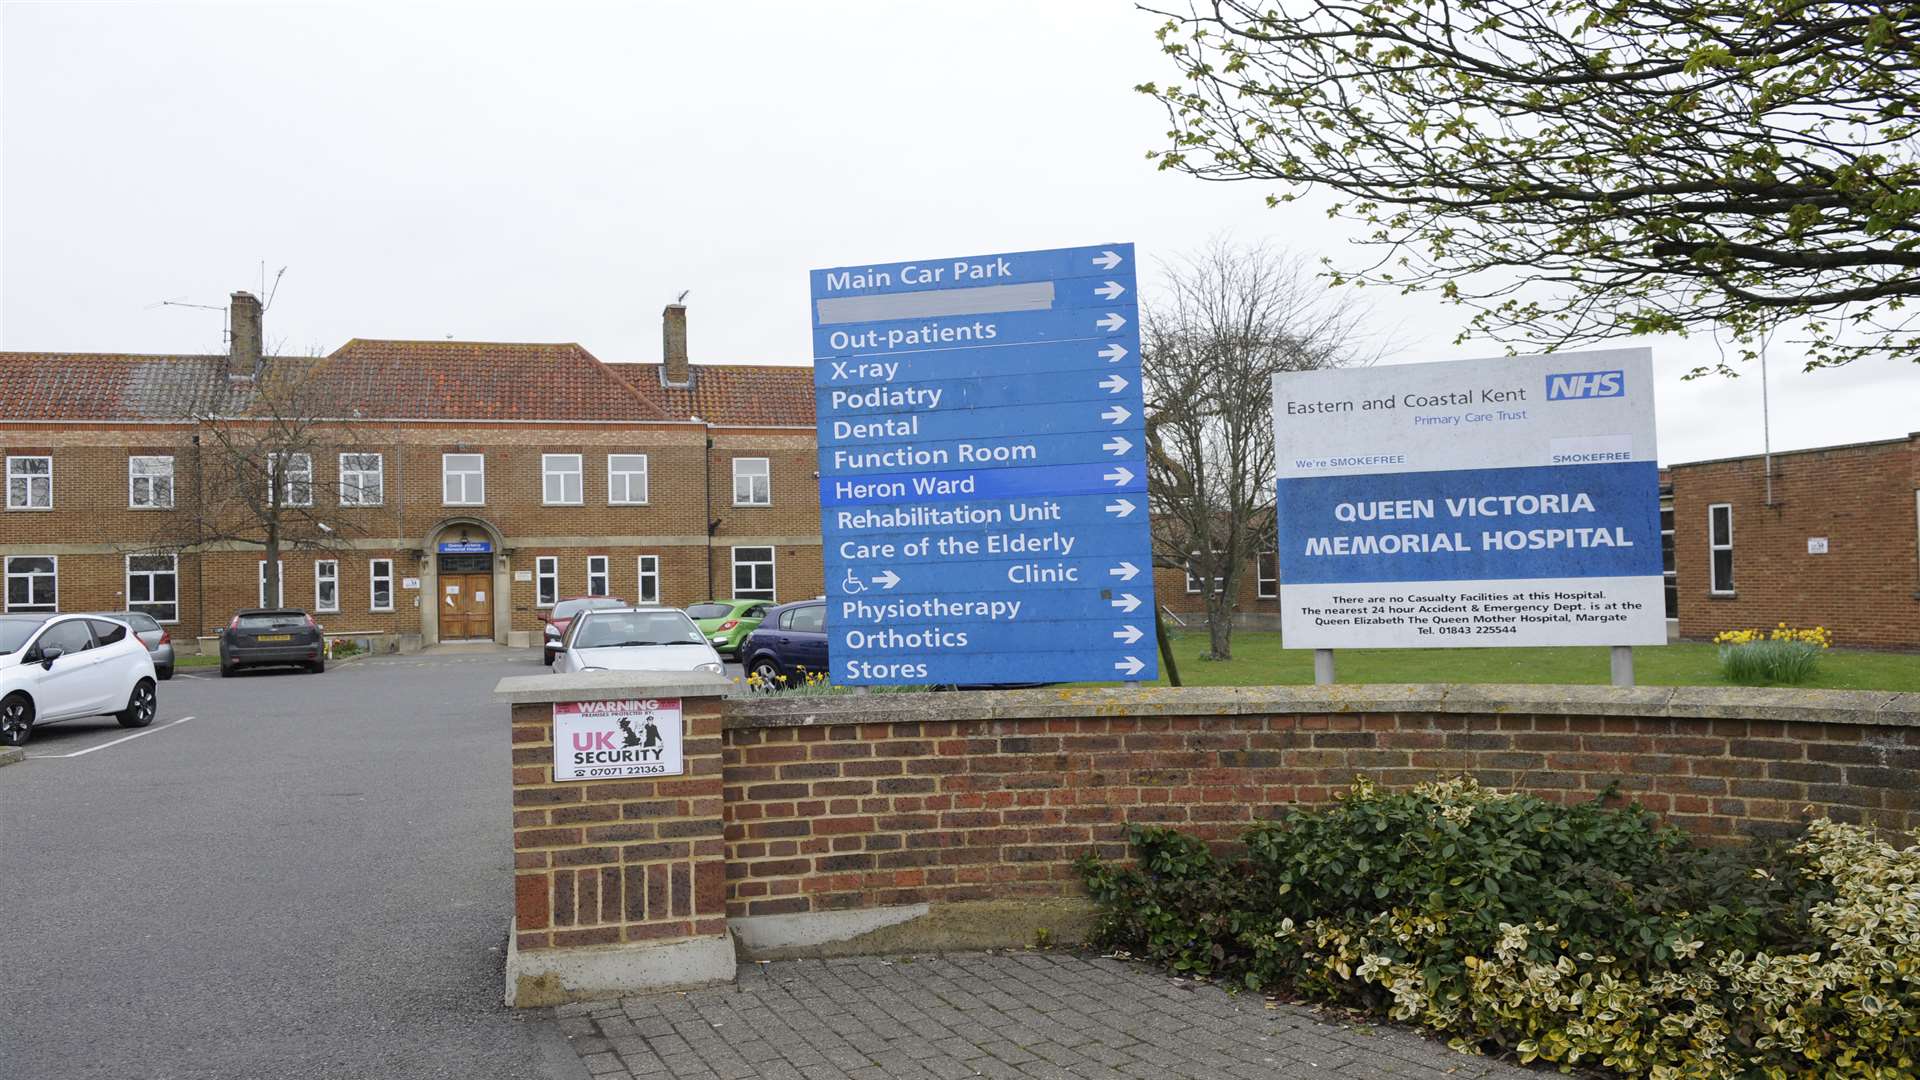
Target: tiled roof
point(466, 380)
point(755, 395)
point(104, 386)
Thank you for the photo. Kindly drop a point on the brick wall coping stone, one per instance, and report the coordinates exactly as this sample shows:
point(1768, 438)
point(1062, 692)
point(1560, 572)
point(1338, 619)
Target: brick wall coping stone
point(1878, 708)
point(609, 686)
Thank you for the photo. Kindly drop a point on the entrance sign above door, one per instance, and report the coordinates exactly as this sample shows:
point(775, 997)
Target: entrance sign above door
point(466, 547)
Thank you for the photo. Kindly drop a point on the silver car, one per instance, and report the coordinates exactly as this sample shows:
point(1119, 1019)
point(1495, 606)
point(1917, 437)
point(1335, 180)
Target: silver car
point(636, 639)
point(159, 643)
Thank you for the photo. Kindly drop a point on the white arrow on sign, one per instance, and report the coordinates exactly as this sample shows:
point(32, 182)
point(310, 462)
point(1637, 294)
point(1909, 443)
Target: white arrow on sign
point(1107, 260)
point(1117, 445)
point(1111, 322)
point(1129, 634)
point(1113, 352)
point(1126, 571)
point(1110, 291)
point(1126, 602)
point(1117, 414)
point(1131, 665)
point(887, 580)
point(1121, 507)
point(1121, 476)
point(1113, 384)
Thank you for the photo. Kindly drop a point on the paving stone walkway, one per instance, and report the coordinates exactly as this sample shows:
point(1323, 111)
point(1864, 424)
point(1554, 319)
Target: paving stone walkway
point(1015, 1016)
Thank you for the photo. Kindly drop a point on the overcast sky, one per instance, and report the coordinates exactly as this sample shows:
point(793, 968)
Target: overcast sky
point(559, 172)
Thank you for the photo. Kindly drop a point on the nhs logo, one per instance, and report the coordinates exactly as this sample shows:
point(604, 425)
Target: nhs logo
point(1586, 384)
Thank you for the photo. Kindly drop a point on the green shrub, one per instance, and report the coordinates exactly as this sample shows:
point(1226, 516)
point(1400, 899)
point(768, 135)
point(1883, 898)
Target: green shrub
point(1763, 662)
point(1577, 934)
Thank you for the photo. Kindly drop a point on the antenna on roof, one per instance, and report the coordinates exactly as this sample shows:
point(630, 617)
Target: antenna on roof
point(201, 307)
point(682, 298)
point(267, 304)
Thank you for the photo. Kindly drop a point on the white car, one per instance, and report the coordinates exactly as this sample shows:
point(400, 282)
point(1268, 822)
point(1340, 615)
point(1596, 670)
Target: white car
point(57, 667)
point(636, 639)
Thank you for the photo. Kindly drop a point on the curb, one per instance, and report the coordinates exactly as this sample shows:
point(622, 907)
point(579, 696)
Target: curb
point(11, 754)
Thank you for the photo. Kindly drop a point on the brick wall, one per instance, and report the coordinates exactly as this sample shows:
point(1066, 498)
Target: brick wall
point(865, 804)
point(1861, 499)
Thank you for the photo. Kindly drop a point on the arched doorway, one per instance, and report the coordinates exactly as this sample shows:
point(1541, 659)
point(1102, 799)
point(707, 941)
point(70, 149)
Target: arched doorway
point(464, 576)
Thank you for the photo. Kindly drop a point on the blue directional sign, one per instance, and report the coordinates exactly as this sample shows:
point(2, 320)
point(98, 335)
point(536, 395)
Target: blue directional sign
point(983, 470)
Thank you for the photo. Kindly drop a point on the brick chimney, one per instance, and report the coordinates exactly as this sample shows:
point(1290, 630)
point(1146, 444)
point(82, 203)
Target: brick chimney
point(674, 368)
point(243, 336)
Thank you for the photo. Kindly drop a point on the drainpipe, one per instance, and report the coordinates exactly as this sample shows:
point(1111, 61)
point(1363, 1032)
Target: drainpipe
point(708, 483)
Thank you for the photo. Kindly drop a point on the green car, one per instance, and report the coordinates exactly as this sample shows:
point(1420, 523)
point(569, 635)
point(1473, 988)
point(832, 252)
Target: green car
point(726, 623)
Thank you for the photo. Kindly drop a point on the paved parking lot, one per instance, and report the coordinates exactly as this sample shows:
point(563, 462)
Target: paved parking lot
point(1013, 1016)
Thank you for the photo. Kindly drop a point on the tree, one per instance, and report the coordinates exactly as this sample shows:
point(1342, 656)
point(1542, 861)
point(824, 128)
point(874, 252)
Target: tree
point(259, 482)
point(1228, 319)
point(1574, 172)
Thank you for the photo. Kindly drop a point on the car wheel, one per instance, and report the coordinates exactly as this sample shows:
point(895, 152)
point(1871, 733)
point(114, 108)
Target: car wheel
point(317, 666)
point(141, 705)
point(16, 720)
point(164, 673)
point(768, 673)
point(548, 656)
point(227, 670)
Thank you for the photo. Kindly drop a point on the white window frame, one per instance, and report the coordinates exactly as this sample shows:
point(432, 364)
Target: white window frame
point(332, 577)
point(28, 503)
point(172, 571)
point(773, 573)
point(134, 479)
point(465, 475)
point(1713, 548)
point(554, 467)
point(293, 476)
point(260, 588)
point(374, 577)
point(599, 566)
point(546, 568)
point(6, 582)
point(648, 567)
point(1266, 588)
point(628, 474)
point(358, 486)
point(1193, 582)
point(765, 475)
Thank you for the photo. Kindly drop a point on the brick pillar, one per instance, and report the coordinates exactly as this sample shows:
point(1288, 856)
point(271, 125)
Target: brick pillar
point(619, 884)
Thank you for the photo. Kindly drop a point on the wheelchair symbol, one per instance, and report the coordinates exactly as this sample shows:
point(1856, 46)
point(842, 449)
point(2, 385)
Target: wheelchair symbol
point(852, 585)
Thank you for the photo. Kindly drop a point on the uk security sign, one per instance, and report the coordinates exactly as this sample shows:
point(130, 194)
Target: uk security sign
point(983, 469)
point(1487, 502)
point(612, 740)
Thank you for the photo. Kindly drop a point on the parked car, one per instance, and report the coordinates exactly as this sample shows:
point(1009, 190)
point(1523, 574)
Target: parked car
point(636, 639)
point(728, 622)
point(57, 667)
point(561, 616)
point(272, 637)
point(159, 643)
point(789, 642)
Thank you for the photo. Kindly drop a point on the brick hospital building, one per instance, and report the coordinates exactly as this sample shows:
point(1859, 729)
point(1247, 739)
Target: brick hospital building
point(454, 490)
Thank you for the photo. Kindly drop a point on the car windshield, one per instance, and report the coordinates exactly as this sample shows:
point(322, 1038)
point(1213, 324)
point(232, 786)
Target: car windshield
point(614, 629)
point(710, 610)
point(273, 620)
point(567, 609)
point(15, 632)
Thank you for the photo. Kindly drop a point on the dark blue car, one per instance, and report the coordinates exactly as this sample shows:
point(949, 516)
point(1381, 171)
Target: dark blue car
point(790, 642)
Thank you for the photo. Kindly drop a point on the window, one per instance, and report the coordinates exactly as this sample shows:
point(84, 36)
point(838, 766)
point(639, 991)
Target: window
point(326, 585)
point(463, 479)
point(1720, 548)
point(297, 478)
point(752, 482)
point(560, 479)
point(380, 579)
point(363, 479)
point(71, 636)
point(1193, 579)
point(153, 586)
point(597, 576)
point(811, 619)
point(1668, 571)
point(626, 479)
point(107, 633)
point(279, 594)
point(33, 583)
point(649, 592)
point(150, 483)
point(753, 573)
point(546, 577)
point(1267, 574)
point(29, 483)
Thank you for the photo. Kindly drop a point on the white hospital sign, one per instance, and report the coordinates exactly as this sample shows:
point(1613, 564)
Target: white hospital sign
point(1489, 502)
point(616, 740)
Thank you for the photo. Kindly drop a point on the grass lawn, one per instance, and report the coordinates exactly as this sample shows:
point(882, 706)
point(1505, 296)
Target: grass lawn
point(1258, 660)
point(197, 660)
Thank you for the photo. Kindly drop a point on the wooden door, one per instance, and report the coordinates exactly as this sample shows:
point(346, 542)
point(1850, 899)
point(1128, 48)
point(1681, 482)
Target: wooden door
point(466, 607)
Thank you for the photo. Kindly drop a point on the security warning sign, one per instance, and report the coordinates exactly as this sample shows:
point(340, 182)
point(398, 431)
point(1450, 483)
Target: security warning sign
point(610, 740)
